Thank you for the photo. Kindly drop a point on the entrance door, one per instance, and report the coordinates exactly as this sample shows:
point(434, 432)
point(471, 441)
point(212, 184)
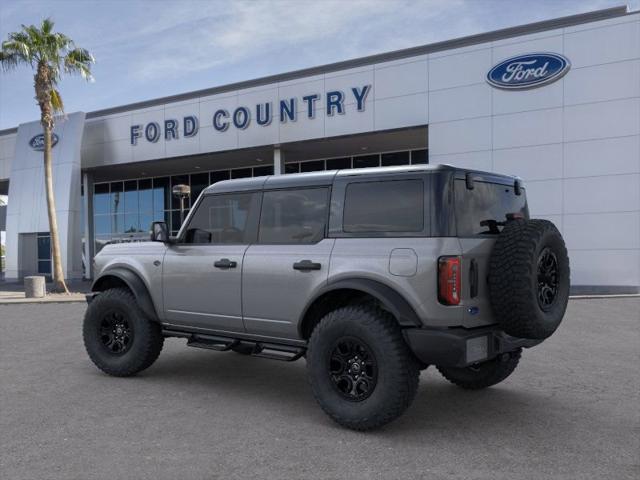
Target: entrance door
point(289, 262)
point(202, 272)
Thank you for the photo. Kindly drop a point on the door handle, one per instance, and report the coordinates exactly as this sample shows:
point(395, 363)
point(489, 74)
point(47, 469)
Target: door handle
point(225, 263)
point(306, 265)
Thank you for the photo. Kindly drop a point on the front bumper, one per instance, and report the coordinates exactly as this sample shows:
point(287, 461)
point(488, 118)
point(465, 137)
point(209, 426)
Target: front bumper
point(461, 347)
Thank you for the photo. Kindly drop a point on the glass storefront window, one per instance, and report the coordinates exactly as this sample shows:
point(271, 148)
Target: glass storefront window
point(366, 161)
point(241, 173)
point(419, 157)
point(338, 163)
point(161, 194)
point(312, 166)
point(101, 198)
point(145, 195)
point(395, 158)
point(291, 167)
point(218, 176)
point(199, 181)
point(131, 203)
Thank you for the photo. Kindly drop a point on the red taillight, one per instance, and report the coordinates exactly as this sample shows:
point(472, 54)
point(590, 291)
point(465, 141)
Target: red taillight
point(449, 280)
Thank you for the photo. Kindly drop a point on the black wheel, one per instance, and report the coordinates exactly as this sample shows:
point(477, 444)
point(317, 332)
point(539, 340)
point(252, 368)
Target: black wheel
point(484, 374)
point(119, 338)
point(529, 278)
point(360, 369)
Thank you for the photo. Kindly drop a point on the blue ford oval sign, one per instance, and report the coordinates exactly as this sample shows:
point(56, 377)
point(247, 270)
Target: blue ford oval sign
point(37, 142)
point(528, 71)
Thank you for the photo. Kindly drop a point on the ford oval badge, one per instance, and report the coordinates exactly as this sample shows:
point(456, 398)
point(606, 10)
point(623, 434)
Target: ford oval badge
point(37, 142)
point(528, 71)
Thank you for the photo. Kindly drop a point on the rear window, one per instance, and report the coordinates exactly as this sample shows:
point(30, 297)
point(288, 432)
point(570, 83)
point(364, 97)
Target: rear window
point(487, 202)
point(384, 206)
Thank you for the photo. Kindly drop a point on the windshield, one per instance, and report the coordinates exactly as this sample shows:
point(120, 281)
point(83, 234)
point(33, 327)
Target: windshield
point(483, 210)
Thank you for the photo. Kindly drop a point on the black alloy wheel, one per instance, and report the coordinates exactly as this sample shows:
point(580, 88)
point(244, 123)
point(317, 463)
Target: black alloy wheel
point(116, 332)
point(353, 369)
point(547, 279)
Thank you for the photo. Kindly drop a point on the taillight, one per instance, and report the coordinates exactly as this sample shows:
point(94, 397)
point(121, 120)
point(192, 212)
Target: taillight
point(449, 280)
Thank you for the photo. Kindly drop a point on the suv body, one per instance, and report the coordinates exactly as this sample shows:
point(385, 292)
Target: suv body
point(260, 262)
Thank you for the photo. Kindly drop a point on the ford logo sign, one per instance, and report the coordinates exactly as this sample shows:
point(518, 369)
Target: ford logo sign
point(37, 142)
point(528, 71)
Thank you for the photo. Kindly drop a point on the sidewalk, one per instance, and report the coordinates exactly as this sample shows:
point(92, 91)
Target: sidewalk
point(11, 293)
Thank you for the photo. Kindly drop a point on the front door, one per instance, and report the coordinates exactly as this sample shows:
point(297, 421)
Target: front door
point(202, 271)
point(288, 263)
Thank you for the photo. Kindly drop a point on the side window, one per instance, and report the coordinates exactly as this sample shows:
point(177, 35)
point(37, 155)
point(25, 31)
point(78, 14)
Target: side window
point(294, 216)
point(221, 219)
point(384, 206)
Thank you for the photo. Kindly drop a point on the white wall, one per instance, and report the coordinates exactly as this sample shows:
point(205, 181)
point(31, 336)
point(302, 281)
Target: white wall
point(576, 142)
point(7, 150)
point(27, 207)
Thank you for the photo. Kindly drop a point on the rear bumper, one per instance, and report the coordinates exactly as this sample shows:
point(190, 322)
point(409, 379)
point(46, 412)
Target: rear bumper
point(461, 347)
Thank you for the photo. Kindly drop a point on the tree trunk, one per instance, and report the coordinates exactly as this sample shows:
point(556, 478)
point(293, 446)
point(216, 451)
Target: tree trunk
point(59, 284)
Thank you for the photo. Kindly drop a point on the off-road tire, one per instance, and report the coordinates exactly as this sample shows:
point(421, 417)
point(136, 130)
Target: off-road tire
point(484, 374)
point(397, 370)
point(146, 343)
point(514, 278)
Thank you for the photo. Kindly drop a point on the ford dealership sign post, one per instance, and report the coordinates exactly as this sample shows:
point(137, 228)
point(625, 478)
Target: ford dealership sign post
point(528, 71)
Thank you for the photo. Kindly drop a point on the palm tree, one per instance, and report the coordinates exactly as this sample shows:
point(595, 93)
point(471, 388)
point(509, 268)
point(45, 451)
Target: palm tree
point(50, 55)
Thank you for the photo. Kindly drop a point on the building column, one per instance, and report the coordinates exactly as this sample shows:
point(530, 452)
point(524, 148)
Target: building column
point(278, 161)
point(87, 184)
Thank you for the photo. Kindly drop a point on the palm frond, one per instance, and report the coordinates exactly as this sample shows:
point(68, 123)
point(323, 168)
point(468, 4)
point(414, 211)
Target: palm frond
point(56, 101)
point(79, 61)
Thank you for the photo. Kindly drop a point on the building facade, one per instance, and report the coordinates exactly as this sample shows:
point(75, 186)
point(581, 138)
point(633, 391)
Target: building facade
point(556, 103)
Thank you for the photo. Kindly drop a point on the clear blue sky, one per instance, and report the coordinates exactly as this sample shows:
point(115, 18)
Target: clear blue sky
point(149, 49)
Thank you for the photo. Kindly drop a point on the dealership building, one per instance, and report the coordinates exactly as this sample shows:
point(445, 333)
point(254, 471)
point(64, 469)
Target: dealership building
point(555, 102)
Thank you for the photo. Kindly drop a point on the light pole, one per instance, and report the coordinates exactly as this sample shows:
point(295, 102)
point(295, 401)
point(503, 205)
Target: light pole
point(182, 192)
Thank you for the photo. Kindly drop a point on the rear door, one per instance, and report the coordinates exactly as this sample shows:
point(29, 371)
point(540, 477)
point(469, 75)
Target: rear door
point(289, 262)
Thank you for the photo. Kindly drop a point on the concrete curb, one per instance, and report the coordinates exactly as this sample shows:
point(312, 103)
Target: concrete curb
point(73, 298)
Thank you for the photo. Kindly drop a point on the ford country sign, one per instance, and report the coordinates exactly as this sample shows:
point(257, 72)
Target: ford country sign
point(528, 71)
point(37, 142)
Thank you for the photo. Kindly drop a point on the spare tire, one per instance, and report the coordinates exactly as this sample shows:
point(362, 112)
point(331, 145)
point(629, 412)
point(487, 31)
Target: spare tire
point(529, 278)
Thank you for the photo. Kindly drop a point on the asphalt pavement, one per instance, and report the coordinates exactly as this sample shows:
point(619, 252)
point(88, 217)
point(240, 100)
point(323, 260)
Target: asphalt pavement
point(570, 411)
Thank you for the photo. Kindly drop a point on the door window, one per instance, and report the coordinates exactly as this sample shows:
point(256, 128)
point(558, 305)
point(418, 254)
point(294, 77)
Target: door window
point(294, 216)
point(224, 219)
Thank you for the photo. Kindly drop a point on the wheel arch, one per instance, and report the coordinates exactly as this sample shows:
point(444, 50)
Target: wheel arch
point(349, 290)
point(123, 277)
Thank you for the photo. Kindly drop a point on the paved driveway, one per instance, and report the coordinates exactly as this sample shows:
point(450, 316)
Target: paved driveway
point(571, 411)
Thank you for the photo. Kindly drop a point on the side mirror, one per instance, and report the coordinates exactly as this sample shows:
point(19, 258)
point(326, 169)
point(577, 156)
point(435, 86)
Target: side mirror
point(159, 232)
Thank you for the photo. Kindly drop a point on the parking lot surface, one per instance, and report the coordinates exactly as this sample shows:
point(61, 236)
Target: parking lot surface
point(571, 411)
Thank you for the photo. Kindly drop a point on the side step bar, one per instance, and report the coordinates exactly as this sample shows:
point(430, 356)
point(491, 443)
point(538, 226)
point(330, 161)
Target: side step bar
point(272, 351)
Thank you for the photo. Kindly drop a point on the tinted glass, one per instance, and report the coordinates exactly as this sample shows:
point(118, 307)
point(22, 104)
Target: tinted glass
point(241, 173)
point(366, 161)
point(117, 198)
point(338, 163)
point(161, 194)
point(262, 171)
point(101, 198)
point(313, 166)
point(395, 158)
point(218, 176)
point(486, 202)
point(222, 219)
point(293, 216)
point(291, 168)
point(44, 266)
point(131, 203)
point(419, 157)
point(44, 247)
point(388, 206)
point(145, 195)
point(199, 181)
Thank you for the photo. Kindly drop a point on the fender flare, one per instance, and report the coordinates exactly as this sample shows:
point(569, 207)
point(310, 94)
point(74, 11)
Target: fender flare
point(135, 284)
point(392, 300)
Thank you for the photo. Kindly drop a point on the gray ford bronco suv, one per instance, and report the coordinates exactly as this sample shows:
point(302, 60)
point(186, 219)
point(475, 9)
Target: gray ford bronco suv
point(370, 274)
